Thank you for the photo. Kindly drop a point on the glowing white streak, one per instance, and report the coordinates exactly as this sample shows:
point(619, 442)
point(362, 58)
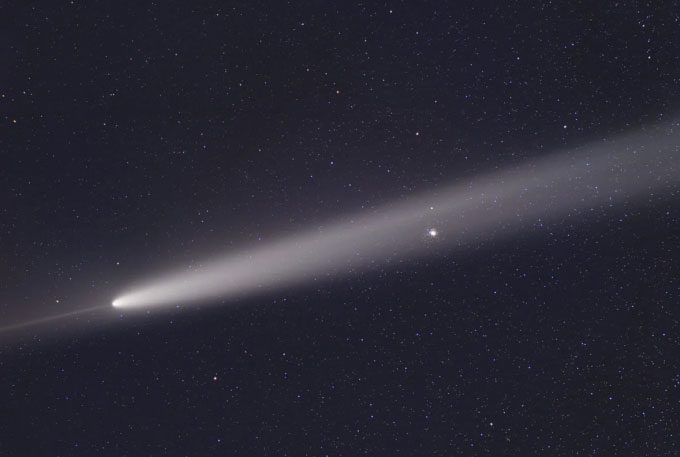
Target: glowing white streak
point(493, 204)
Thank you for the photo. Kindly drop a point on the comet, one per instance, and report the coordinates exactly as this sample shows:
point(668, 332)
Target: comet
point(626, 170)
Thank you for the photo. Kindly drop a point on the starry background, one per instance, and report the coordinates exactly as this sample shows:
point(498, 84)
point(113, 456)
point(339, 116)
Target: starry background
point(135, 135)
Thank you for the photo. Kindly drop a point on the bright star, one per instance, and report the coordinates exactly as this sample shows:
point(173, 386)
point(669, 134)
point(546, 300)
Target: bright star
point(432, 232)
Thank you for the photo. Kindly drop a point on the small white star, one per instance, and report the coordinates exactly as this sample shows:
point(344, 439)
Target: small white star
point(432, 232)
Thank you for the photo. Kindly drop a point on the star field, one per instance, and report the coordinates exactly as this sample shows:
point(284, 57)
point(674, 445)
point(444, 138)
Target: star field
point(135, 136)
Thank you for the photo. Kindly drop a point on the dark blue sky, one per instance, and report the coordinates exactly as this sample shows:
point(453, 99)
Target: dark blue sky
point(135, 135)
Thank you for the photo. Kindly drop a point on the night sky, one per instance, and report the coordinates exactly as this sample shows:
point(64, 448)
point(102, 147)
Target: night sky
point(137, 136)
